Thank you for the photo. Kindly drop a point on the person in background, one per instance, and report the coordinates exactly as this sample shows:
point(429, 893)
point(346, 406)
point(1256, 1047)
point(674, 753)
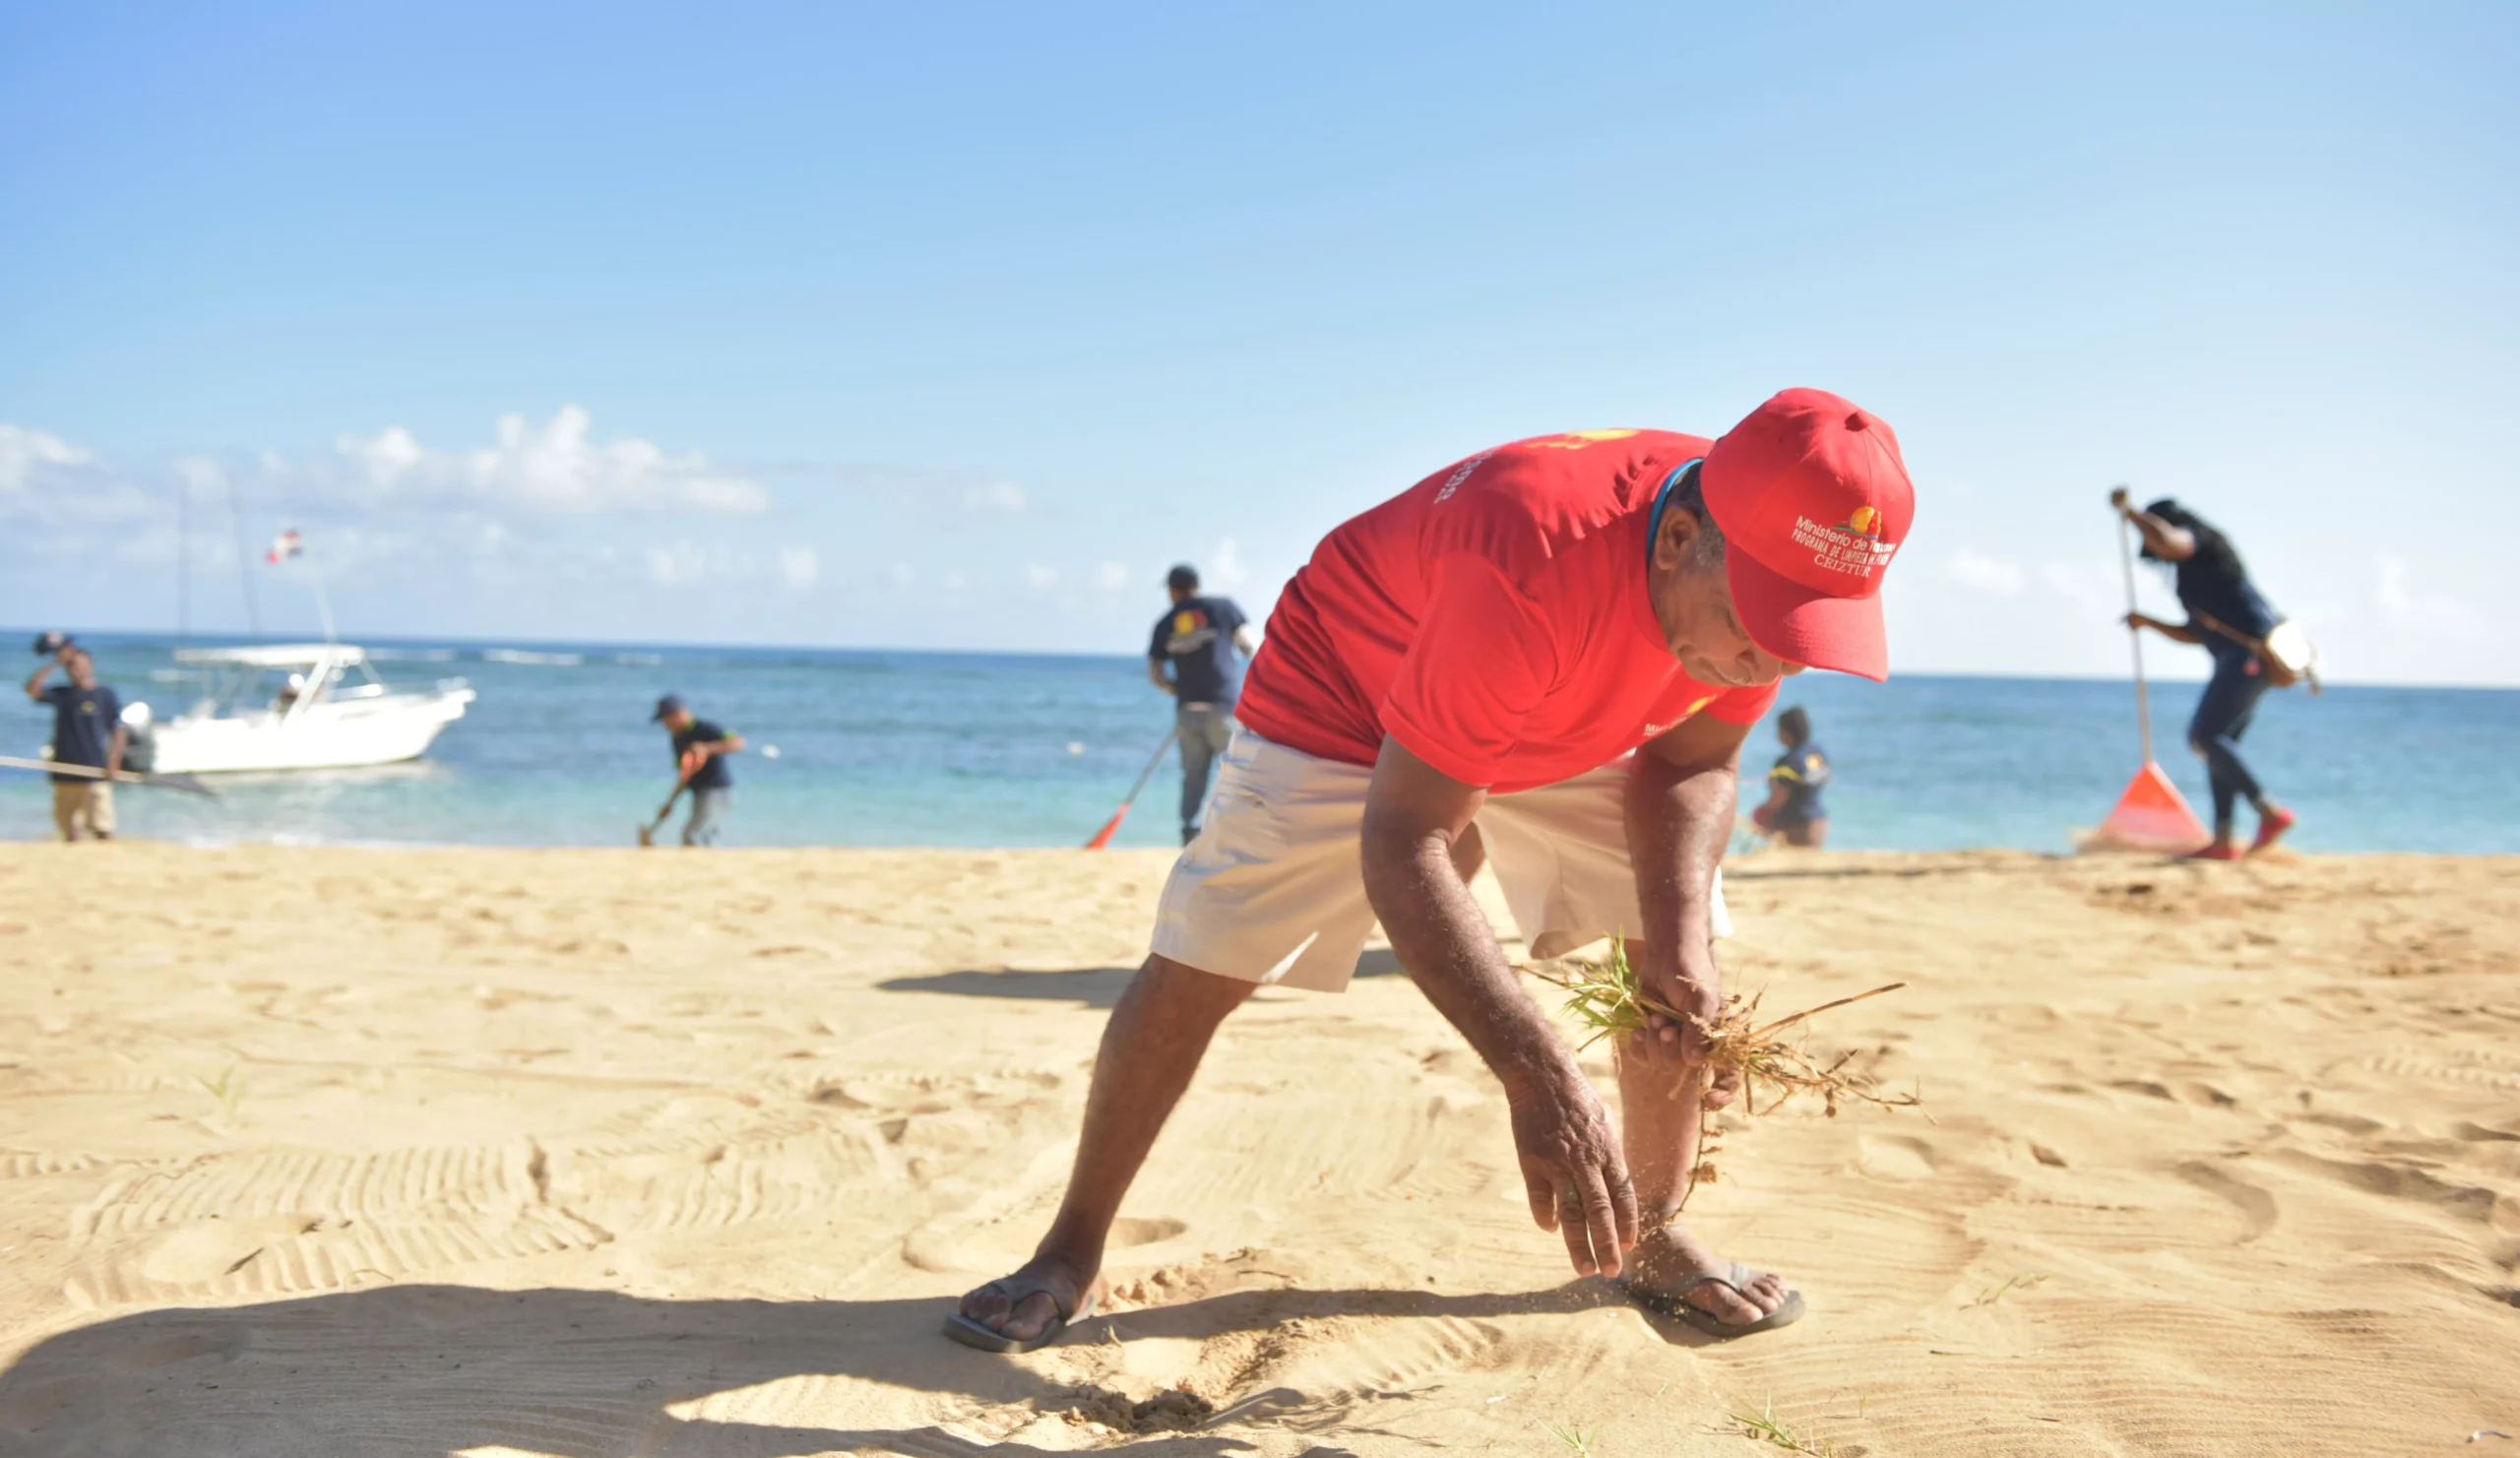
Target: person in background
point(700, 750)
point(1198, 638)
point(1793, 813)
point(86, 729)
point(2230, 621)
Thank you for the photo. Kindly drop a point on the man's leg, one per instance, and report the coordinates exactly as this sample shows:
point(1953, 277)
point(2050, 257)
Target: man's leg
point(100, 810)
point(1198, 748)
point(1562, 857)
point(66, 803)
point(1659, 1107)
point(708, 809)
point(1152, 1044)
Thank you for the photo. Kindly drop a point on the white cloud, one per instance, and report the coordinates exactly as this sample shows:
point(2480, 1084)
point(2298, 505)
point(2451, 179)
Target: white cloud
point(798, 567)
point(555, 466)
point(1224, 567)
point(904, 574)
point(2403, 607)
point(1115, 575)
point(996, 496)
point(1984, 574)
point(684, 562)
point(22, 450)
point(1042, 578)
point(2082, 588)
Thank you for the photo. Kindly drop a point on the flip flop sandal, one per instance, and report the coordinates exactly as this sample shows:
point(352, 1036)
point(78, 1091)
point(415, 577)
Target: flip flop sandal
point(1731, 1274)
point(971, 1333)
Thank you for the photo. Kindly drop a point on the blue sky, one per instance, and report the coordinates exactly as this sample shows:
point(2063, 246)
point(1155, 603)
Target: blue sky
point(953, 327)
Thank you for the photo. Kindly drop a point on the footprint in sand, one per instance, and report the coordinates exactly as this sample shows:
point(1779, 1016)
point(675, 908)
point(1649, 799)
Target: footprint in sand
point(1130, 1230)
point(1895, 1157)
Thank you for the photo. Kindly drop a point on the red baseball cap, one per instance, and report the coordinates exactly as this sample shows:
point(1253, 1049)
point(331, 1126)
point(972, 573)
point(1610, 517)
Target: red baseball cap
point(1813, 501)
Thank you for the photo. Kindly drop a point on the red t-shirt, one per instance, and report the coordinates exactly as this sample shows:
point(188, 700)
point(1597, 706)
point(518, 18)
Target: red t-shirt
point(1493, 618)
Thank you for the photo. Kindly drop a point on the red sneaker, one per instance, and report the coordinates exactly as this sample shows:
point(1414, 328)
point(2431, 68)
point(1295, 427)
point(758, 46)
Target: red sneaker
point(2271, 827)
point(2218, 850)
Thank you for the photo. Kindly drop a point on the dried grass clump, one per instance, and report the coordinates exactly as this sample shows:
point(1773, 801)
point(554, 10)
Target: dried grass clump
point(1610, 998)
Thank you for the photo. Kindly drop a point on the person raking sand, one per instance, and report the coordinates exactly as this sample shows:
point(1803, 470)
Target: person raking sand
point(2230, 619)
point(1548, 654)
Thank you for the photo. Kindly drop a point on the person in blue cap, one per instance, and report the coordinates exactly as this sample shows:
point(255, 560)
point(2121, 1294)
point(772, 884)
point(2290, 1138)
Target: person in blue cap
point(700, 750)
point(1193, 658)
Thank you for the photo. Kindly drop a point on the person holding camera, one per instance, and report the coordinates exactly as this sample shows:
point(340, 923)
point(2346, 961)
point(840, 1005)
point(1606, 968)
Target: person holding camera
point(86, 729)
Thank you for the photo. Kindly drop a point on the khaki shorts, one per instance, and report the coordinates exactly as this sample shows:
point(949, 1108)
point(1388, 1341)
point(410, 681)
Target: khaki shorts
point(1272, 890)
point(82, 803)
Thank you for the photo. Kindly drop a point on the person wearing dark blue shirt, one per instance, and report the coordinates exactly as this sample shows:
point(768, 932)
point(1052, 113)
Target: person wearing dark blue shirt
point(2229, 618)
point(1195, 657)
point(700, 750)
point(1793, 812)
point(86, 729)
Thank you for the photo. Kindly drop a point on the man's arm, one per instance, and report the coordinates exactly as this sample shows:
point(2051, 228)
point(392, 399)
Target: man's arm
point(1680, 797)
point(113, 755)
point(725, 744)
point(1246, 641)
point(2174, 632)
point(43, 671)
point(2168, 542)
point(1572, 1168)
point(1155, 674)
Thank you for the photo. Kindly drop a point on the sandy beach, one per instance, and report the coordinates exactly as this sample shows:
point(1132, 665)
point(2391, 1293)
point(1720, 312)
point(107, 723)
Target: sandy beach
point(591, 1153)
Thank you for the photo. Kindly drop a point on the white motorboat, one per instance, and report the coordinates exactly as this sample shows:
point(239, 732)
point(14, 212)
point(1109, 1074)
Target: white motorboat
point(301, 707)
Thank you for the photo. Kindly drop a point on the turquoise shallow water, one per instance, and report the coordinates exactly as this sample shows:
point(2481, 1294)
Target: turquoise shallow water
point(972, 749)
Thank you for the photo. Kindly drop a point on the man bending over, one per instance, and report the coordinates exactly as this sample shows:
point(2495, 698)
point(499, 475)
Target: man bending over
point(1548, 653)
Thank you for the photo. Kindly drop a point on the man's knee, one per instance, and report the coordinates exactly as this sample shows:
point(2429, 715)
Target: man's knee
point(1173, 989)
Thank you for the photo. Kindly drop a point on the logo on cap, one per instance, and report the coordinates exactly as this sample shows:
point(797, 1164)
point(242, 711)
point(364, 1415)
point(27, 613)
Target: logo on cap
point(1855, 548)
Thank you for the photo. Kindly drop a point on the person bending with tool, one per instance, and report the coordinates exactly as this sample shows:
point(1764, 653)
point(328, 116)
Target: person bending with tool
point(2230, 619)
point(1548, 654)
point(700, 750)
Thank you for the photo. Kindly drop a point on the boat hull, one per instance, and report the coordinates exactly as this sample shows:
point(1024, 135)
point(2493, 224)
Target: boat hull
point(340, 735)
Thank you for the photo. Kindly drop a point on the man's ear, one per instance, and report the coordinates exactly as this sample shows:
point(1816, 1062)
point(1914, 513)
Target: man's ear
point(1677, 538)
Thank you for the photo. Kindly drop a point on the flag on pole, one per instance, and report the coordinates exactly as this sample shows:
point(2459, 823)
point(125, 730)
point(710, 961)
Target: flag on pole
point(285, 547)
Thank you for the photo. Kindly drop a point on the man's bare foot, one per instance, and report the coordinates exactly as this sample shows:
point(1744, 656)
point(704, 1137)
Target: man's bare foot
point(1047, 1286)
point(1664, 1259)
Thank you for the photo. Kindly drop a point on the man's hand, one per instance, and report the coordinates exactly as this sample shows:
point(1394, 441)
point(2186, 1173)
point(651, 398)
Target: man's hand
point(2120, 498)
point(1416, 820)
point(1573, 1172)
point(1680, 798)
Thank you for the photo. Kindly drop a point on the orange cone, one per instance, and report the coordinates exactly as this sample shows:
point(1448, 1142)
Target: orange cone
point(2152, 815)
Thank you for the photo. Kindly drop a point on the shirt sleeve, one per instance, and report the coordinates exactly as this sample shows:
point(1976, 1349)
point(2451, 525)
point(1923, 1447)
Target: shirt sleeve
point(1783, 770)
point(1482, 659)
point(56, 693)
point(1229, 619)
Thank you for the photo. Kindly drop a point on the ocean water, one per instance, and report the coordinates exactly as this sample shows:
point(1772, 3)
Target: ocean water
point(879, 748)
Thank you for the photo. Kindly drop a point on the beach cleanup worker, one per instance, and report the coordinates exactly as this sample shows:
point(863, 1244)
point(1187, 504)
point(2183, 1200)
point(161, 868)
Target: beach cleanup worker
point(700, 750)
point(1548, 656)
point(86, 729)
point(1196, 641)
point(2230, 619)
point(1793, 813)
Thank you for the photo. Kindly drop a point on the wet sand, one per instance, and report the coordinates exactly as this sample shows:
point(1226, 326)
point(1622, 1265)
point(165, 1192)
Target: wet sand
point(595, 1153)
